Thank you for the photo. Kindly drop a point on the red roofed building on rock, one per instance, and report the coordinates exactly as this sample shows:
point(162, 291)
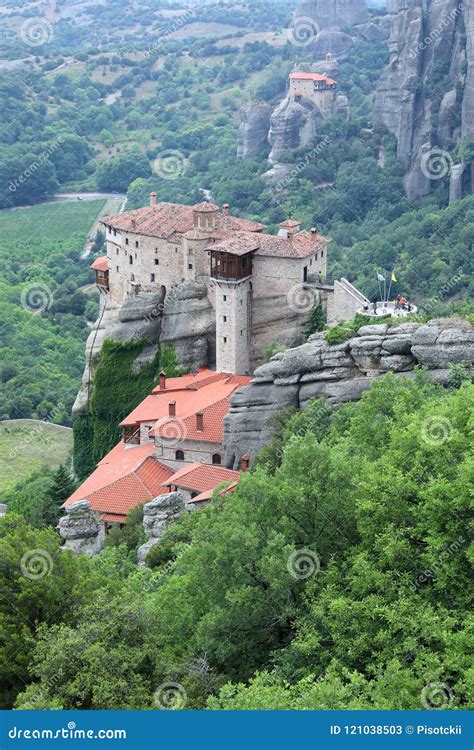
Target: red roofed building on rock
point(319, 89)
point(248, 274)
point(172, 440)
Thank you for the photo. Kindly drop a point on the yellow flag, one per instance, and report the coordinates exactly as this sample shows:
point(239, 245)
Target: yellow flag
point(393, 277)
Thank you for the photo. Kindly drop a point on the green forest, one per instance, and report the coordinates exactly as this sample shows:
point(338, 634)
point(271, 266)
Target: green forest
point(337, 577)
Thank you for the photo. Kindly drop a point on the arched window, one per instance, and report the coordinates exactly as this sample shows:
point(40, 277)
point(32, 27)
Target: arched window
point(130, 259)
point(216, 458)
point(179, 455)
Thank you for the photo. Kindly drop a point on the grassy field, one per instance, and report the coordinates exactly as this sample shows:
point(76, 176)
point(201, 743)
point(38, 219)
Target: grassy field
point(48, 221)
point(27, 444)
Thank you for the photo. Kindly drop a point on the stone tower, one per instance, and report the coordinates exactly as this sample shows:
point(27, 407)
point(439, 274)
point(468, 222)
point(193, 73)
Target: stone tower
point(231, 272)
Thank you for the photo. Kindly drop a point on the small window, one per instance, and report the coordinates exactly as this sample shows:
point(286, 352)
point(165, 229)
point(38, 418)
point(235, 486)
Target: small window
point(126, 240)
point(179, 455)
point(224, 298)
point(157, 261)
point(225, 318)
point(241, 333)
point(117, 268)
point(136, 243)
point(130, 260)
point(190, 252)
point(132, 277)
point(322, 253)
point(116, 251)
point(216, 459)
point(152, 277)
point(190, 266)
point(225, 339)
point(115, 232)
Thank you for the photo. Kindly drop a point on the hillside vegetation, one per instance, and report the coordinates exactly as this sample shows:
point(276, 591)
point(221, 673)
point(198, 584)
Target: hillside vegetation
point(336, 576)
point(43, 312)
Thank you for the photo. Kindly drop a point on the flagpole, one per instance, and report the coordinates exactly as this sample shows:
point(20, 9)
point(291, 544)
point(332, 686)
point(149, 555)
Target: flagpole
point(389, 288)
point(385, 289)
point(380, 288)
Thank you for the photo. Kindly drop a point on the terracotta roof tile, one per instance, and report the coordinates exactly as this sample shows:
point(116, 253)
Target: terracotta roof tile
point(205, 207)
point(299, 75)
point(202, 477)
point(101, 264)
point(166, 219)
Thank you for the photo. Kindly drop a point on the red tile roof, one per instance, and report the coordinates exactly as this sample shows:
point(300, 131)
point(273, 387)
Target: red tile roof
point(205, 207)
point(238, 243)
point(165, 219)
point(101, 264)
point(207, 494)
point(123, 479)
point(202, 477)
point(300, 245)
point(298, 75)
point(206, 392)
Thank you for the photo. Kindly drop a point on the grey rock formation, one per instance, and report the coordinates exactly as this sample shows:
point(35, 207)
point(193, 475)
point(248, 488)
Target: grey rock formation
point(188, 325)
point(455, 182)
point(157, 515)
point(183, 320)
point(332, 41)
point(427, 37)
point(292, 125)
point(252, 135)
point(373, 32)
point(339, 374)
point(333, 13)
point(327, 67)
point(81, 529)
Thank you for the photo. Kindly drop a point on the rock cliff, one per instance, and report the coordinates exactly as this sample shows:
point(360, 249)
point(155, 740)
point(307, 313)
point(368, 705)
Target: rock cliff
point(184, 321)
point(252, 135)
point(292, 125)
point(333, 13)
point(426, 94)
point(339, 373)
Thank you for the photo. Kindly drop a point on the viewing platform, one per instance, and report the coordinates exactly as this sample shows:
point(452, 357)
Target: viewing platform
point(388, 308)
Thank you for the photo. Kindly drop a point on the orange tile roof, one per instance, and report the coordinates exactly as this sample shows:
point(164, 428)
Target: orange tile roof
point(165, 219)
point(122, 480)
point(298, 75)
point(202, 477)
point(238, 243)
point(101, 264)
point(191, 395)
point(207, 494)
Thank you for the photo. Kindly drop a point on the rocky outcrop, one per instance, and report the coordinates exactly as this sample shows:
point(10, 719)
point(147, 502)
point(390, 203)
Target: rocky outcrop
point(252, 135)
point(184, 320)
point(339, 373)
point(429, 48)
point(292, 125)
point(188, 325)
point(333, 13)
point(81, 529)
point(332, 41)
point(157, 515)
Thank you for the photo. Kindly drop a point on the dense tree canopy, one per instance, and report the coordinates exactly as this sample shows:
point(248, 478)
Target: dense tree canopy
point(336, 576)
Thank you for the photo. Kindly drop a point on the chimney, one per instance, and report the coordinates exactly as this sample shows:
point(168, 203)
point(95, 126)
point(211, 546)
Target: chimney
point(134, 223)
point(244, 462)
point(225, 209)
point(162, 380)
point(313, 233)
point(152, 199)
point(200, 421)
point(172, 409)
